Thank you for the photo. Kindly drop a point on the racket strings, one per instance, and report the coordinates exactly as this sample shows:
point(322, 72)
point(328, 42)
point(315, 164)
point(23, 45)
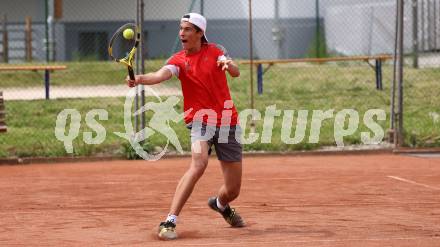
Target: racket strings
point(120, 46)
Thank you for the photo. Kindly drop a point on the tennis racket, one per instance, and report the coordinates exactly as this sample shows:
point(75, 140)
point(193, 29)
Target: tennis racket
point(123, 49)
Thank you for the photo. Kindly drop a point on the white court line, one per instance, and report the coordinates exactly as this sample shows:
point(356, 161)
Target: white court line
point(412, 182)
point(244, 243)
point(270, 179)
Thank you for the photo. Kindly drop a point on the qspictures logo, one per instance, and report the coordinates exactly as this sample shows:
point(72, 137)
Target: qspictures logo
point(346, 123)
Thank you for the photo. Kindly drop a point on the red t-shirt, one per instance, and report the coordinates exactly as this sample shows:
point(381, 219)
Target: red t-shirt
point(204, 85)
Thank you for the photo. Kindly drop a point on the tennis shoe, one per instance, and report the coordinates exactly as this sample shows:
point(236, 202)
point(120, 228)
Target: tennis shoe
point(167, 230)
point(229, 214)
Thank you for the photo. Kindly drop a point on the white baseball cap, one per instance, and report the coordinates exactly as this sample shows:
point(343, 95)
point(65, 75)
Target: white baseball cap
point(198, 20)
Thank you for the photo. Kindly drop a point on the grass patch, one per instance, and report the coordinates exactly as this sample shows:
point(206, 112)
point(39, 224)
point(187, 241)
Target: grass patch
point(31, 124)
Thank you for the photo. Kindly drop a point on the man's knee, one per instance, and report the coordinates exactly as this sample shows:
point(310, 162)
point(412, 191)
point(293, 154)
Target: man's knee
point(198, 166)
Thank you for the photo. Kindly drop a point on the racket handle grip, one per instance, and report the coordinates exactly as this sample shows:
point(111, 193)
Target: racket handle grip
point(131, 73)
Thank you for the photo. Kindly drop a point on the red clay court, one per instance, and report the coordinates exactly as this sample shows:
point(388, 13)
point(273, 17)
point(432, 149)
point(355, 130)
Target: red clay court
point(332, 200)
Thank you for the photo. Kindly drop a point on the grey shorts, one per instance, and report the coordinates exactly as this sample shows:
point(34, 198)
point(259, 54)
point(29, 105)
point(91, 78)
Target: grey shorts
point(226, 140)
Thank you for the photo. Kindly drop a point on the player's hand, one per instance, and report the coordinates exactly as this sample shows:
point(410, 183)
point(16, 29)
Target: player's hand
point(224, 63)
point(130, 82)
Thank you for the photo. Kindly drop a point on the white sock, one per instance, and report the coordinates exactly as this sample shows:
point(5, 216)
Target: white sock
point(172, 218)
point(220, 206)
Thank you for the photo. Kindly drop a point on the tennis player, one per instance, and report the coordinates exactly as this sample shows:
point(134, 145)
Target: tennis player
point(210, 114)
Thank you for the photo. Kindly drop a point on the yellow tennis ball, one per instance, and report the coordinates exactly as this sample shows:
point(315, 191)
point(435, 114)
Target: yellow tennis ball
point(128, 33)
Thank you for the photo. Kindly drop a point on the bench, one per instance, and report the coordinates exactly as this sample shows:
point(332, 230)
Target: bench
point(379, 59)
point(47, 69)
point(3, 127)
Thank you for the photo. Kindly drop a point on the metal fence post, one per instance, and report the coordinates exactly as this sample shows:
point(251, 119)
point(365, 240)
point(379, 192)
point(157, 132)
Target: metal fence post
point(399, 75)
point(318, 31)
point(251, 58)
point(141, 56)
point(5, 40)
point(415, 34)
point(136, 99)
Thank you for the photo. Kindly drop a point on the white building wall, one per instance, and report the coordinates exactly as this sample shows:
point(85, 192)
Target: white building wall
point(98, 10)
point(17, 10)
point(364, 29)
point(121, 10)
point(352, 26)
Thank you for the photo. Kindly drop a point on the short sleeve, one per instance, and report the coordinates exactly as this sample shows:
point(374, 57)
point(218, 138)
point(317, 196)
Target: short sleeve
point(173, 69)
point(172, 64)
